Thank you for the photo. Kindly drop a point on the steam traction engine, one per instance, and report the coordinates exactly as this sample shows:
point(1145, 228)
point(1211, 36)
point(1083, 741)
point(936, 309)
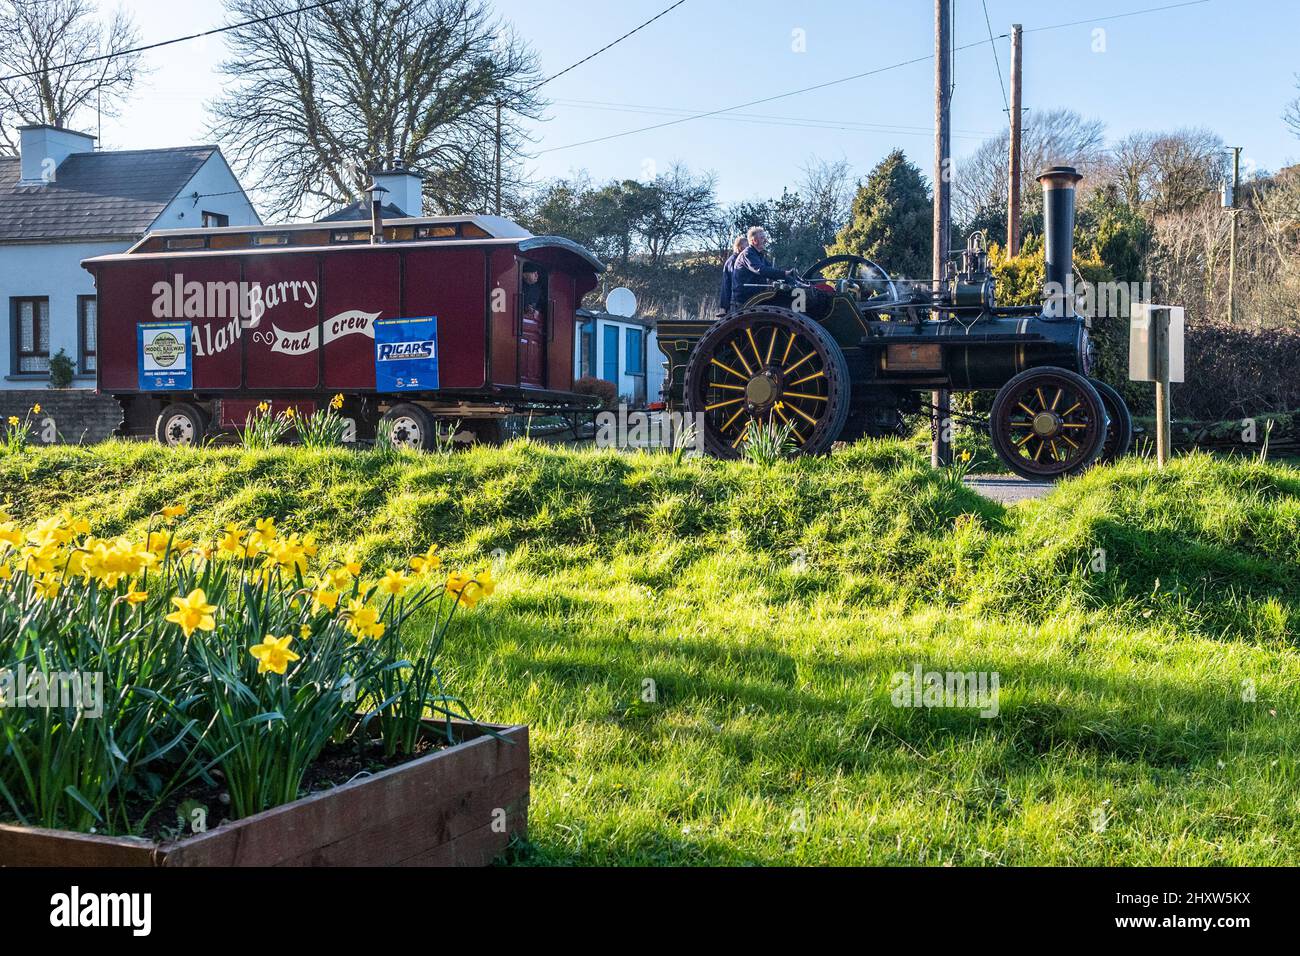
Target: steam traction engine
point(845, 352)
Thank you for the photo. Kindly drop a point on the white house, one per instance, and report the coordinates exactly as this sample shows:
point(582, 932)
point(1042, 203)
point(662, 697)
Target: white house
point(620, 350)
point(62, 201)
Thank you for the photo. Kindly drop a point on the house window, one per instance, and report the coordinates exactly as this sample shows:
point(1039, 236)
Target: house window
point(635, 353)
point(31, 329)
point(587, 349)
point(215, 220)
point(87, 310)
point(610, 370)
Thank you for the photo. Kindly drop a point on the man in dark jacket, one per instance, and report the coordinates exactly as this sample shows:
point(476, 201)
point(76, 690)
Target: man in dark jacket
point(752, 269)
point(724, 294)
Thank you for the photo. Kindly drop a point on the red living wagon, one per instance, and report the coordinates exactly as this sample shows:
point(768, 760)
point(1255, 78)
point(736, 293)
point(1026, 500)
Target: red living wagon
point(198, 327)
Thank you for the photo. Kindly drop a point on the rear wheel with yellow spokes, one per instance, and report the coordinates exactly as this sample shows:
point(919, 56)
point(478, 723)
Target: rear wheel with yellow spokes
point(768, 364)
point(1048, 423)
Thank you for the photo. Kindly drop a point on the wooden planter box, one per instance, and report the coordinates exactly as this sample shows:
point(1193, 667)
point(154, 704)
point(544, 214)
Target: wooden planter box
point(437, 810)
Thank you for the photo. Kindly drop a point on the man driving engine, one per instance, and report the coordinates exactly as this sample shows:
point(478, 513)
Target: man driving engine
point(752, 269)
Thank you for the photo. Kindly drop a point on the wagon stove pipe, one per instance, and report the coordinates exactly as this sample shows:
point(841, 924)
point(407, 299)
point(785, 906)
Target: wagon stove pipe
point(1058, 233)
point(377, 194)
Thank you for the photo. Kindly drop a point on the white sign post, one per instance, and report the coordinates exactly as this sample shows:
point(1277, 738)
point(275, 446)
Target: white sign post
point(1155, 354)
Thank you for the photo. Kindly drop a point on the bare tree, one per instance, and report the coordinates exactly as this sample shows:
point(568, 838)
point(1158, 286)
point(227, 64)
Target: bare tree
point(44, 45)
point(323, 96)
point(1049, 138)
point(684, 207)
point(1166, 172)
point(827, 190)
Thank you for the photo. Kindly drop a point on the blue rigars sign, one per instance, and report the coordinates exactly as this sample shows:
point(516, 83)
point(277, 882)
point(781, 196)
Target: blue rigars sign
point(164, 356)
point(406, 354)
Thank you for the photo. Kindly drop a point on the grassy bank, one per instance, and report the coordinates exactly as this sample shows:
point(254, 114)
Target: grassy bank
point(1148, 713)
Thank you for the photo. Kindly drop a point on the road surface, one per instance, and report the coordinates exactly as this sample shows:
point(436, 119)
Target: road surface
point(1007, 489)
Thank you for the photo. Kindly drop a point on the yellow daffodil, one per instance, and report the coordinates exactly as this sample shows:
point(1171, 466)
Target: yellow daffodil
point(429, 561)
point(173, 511)
point(394, 583)
point(36, 409)
point(136, 597)
point(48, 586)
point(336, 402)
point(470, 590)
point(263, 407)
point(290, 412)
point(352, 564)
point(232, 542)
point(273, 654)
point(364, 621)
point(193, 613)
point(304, 631)
point(325, 598)
point(13, 421)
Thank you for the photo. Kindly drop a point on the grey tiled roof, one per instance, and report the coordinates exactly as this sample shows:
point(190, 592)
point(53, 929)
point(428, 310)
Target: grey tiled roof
point(96, 195)
point(360, 212)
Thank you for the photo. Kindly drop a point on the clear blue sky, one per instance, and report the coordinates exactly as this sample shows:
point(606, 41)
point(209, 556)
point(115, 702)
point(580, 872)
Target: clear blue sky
point(1228, 65)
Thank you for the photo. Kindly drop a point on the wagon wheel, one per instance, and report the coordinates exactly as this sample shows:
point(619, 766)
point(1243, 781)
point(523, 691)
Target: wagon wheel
point(1048, 422)
point(766, 364)
point(1119, 431)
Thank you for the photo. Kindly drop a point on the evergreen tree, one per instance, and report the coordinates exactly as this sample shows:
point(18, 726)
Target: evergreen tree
point(892, 220)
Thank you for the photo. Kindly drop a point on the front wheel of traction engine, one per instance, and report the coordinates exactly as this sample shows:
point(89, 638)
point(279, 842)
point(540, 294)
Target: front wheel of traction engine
point(768, 364)
point(1048, 423)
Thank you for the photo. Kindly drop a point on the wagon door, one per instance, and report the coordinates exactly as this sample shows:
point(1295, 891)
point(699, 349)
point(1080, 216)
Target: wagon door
point(532, 349)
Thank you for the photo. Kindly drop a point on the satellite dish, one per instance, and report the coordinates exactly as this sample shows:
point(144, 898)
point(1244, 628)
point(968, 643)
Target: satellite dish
point(621, 302)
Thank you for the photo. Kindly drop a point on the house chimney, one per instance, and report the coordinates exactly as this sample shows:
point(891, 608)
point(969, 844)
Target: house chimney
point(405, 189)
point(1058, 239)
point(44, 148)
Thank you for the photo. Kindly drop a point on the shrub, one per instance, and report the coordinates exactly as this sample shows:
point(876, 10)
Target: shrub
point(62, 370)
point(607, 392)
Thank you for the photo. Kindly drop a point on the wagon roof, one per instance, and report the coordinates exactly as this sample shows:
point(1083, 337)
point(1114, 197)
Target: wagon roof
point(493, 231)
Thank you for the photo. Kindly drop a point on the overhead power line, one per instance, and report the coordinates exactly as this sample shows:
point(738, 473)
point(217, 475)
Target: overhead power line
point(607, 46)
point(758, 102)
point(1006, 104)
point(767, 119)
point(155, 46)
point(856, 76)
point(1117, 16)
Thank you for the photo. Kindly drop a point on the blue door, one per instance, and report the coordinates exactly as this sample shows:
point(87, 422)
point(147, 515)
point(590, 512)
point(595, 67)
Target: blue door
point(610, 371)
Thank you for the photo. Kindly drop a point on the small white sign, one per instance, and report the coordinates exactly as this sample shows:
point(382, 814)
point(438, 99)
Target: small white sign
point(1142, 344)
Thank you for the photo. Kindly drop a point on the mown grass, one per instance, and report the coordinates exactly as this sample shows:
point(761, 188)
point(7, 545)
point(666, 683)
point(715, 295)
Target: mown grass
point(770, 607)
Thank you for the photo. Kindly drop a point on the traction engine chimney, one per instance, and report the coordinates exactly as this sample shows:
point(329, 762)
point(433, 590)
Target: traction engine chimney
point(1058, 235)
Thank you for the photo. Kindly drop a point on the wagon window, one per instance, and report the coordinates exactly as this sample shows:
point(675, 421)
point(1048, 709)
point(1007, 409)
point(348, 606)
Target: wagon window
point(274, 239)
point(351, 235)
point(471, 231)
point(187, 242)
point(436, 232)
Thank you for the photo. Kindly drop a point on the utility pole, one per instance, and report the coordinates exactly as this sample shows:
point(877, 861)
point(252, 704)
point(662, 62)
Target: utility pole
point(498, 159)
point(1232, 241)
point(1013, 166)
point(941, 420)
